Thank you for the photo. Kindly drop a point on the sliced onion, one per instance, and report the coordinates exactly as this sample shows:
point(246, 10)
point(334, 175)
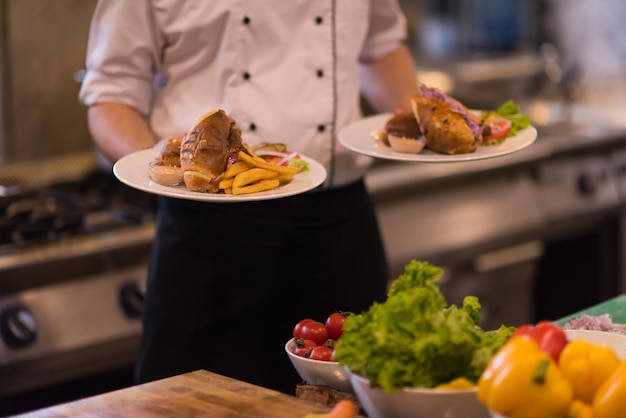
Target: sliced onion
point(287, 156)
point(272, 153)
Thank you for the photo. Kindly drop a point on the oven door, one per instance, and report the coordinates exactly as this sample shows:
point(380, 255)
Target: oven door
point(501, 279)
point(466, 227)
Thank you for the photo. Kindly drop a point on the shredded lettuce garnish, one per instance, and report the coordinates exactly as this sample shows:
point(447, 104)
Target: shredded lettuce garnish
point(414, 338)
point(512, 112)
point(300, 164)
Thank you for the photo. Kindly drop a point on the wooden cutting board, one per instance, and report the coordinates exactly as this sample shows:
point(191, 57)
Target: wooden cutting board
point(196, 394)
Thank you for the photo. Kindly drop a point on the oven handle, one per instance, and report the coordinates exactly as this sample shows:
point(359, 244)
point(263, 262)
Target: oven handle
point(508, 256)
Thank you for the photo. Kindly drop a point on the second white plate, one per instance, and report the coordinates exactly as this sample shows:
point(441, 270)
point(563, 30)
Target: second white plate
point(360, 137)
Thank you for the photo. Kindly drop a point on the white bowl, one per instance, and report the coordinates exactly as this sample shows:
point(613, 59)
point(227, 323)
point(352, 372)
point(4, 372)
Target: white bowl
point(417, 402)
point(317, 372)
point(166, 175)
point(615, 341)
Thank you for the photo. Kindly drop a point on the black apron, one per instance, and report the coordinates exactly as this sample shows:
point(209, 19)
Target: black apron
point(228, 281)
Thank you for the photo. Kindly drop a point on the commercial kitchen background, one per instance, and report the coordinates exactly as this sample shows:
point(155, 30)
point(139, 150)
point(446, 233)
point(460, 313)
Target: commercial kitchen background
point(535, 235)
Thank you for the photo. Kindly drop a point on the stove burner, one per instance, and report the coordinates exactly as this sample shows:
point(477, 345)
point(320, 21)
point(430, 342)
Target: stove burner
point(97, 203)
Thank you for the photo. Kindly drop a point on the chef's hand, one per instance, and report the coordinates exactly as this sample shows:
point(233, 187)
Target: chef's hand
point(390, 79)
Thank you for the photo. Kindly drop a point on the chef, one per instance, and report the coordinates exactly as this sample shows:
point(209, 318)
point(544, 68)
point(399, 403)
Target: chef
point(228, 281)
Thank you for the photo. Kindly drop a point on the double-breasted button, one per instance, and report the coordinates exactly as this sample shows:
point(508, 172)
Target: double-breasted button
point(321, 128)
point(252, 126)
point(319, 20)
point(320, 73)
point(246, 75)
point(246, 20)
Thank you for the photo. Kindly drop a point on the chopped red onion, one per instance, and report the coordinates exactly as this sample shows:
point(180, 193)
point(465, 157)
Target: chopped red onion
point(597, 323)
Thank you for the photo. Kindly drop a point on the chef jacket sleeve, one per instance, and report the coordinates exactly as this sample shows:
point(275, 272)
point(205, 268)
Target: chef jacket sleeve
point(387, 29)
point(122, 55)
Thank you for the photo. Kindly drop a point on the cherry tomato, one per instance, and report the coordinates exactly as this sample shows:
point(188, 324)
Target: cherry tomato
point(298, 328)
point(321, 353)
point(499, 128)
point(304, 347)
point(334, 325)
point(315, 331)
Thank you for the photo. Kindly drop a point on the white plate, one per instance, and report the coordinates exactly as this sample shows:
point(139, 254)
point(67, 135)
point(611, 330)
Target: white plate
point(132, 170)
point(360, 137)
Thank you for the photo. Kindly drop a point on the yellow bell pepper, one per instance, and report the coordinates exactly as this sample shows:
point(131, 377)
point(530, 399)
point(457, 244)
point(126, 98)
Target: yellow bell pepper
point(521, 381)
point(458, 383)
point(579, 409)
point(587, 366)
point(610, 399)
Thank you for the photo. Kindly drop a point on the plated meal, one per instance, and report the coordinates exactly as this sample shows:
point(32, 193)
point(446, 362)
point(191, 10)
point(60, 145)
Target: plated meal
point(212, 163)
point(212, 158)
point(441, 129)
point(444, 125)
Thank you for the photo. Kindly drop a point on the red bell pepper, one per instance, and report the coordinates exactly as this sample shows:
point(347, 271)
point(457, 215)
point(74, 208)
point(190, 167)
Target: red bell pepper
point(550, 337)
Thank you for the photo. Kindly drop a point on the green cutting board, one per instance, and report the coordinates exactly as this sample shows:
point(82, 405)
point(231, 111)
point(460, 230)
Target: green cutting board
point(616, 307)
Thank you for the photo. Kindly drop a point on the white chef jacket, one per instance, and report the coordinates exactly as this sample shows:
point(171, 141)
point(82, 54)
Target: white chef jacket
point(285, 71)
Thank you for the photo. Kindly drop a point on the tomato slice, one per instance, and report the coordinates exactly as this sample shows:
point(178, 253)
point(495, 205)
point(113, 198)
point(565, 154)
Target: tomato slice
point(498, 129)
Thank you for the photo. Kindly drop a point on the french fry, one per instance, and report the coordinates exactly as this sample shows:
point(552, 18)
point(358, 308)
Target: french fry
point(236, 168)
point(251, 176)
point(226, 183)
point(250, 151)
point(248, 148)
point(284, 178)
point(262, 164)
point(260, 186)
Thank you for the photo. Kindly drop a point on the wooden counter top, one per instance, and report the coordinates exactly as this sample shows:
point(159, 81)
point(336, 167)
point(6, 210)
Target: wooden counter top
point(196, 394)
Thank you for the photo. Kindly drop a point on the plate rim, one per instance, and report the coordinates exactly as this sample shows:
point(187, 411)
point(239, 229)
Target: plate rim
point(372, 149)
point(316, 175)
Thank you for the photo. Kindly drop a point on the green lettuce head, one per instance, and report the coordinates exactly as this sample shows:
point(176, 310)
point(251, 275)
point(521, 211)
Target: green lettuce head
point(414, 338)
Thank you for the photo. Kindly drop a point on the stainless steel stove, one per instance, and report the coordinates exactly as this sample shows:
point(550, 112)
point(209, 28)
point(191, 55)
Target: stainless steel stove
point(73, 262)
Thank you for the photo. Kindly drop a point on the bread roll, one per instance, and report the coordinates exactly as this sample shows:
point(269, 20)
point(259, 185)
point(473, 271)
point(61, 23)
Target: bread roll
point(402, 125)
point(206, 150)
